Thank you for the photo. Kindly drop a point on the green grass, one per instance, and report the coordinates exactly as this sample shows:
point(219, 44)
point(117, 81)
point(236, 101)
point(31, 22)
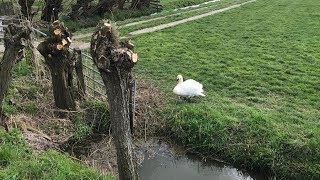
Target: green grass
point(19, 162)
point(183, 15)
point(21, 69)
point(123, 31)
point(261, 72)
point(129, 16)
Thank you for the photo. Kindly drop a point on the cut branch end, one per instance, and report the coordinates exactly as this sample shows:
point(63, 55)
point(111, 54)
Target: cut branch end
point(134, 58)
point(59, 46)
point(57, 32)
point(64, 42)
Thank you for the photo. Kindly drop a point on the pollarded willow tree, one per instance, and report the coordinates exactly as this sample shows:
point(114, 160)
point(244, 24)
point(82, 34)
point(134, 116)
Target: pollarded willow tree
point(87, 8)
point(80, 8)
point(115, 61)
point(15, 39)
point(55, 50)
point(51, 10)
point(26, 8)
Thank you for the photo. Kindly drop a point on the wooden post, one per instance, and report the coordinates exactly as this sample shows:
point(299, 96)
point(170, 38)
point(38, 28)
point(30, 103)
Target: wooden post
point(1, 27)
point(15, 39)
point(77, 60)
point(55, 50)
point(132, 104)
point(115, 62)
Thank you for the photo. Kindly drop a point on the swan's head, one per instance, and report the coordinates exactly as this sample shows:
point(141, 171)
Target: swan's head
point(179, 79)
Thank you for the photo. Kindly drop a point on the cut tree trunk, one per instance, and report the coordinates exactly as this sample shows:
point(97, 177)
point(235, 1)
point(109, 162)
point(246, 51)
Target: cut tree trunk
point(55, 50)
point(26, 9)
point(115, 62)
point(15, 39)
point(51, 10)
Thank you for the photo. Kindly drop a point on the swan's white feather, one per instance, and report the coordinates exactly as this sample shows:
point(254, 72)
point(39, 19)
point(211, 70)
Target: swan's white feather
point(189, 88)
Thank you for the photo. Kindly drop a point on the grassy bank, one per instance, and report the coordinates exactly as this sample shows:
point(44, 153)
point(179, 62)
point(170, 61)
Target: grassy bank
point(19, 162)
point(260, 68)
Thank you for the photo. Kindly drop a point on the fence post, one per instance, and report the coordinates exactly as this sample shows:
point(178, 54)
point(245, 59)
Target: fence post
point(1, 28)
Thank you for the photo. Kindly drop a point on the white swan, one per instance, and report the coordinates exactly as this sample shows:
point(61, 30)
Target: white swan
point(188, 88)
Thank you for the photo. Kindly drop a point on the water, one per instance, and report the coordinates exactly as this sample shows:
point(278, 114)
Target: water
point(161, 163)
point(159, 160)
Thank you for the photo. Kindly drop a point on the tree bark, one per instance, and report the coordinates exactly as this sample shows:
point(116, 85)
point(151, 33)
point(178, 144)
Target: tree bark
point(139, 4)
point(80, 8)
point(102, 7)
point(51, 10)
point(55, 50)
point(26, 9)
point(15, 39)
point(115, 63)
point(121, 4)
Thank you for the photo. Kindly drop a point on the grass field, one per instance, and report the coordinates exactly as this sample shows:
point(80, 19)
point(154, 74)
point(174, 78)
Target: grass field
point(123, 31)
point(261, 72)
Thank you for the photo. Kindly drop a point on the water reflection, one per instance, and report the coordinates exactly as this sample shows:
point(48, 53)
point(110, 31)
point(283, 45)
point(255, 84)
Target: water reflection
point(161, 164)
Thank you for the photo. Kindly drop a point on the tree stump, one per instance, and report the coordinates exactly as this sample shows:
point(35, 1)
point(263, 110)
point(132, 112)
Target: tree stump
point(15, 39)
point(55, 50)
point(115, 61)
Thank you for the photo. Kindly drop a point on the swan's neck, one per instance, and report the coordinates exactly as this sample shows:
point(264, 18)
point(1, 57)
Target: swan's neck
point(180, 80)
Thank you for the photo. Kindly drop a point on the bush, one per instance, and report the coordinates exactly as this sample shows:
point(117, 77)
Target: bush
point(81, 128)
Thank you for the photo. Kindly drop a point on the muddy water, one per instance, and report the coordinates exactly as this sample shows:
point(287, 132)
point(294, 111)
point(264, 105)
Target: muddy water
point(162, 163)
point(157, 160)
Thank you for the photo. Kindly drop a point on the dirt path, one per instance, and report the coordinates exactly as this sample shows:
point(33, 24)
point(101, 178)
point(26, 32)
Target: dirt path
point(82, 45)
